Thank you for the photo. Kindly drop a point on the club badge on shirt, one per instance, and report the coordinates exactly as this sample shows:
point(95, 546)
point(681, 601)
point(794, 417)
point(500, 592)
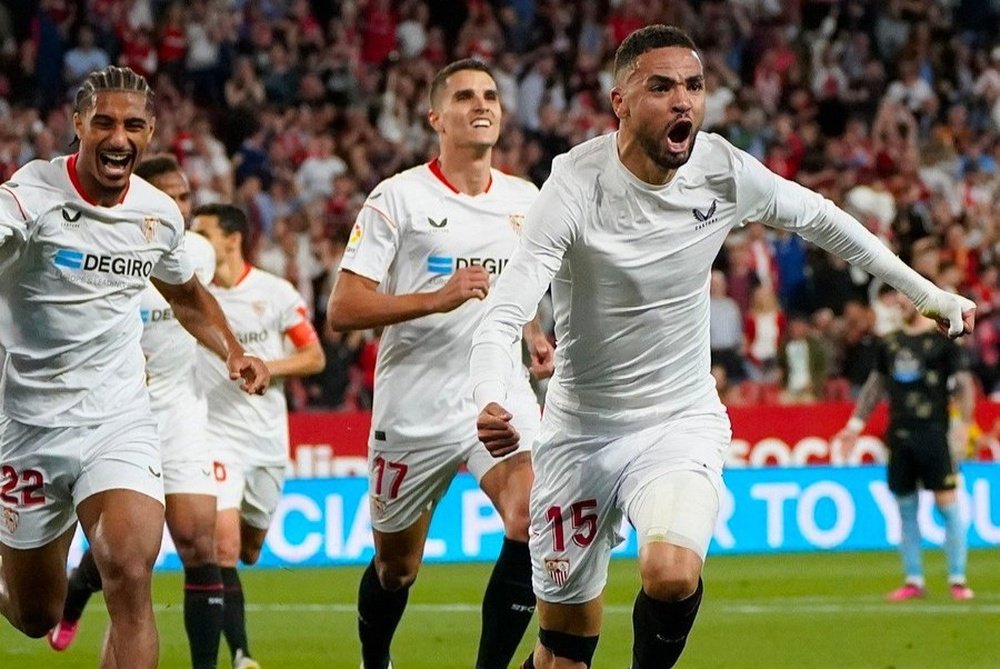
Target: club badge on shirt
point(149, 224)
point(516, 222)
point(11, 519)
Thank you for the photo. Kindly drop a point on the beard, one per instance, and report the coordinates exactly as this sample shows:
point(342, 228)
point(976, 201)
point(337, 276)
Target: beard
point(655, 150)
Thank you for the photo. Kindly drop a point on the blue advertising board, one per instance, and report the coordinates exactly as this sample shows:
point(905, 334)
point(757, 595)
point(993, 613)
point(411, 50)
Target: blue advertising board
point(325, 522)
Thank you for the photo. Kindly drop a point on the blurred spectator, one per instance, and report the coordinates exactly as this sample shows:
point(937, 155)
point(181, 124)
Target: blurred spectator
point(859, 345)
point(314, 178)
point(887, 311)
point(244, 90)
point(803, 364)
point(764, 327)
point(297, 109)
point(378, 34)
point(725, 329)
point(82, 59)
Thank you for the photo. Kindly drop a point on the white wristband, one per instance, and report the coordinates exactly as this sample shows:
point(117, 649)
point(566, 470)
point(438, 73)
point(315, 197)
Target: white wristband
point(855, 425)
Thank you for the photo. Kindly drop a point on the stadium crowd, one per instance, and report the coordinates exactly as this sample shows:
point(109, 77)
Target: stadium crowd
point(295, 110)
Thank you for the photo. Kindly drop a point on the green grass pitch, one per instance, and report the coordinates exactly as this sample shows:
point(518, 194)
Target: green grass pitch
point(760, 612)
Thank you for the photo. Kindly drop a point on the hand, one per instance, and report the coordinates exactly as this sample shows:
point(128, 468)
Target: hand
point(251, 370)
point(495, 431)
point(465, 284)
point(846, 439)
point(955, 315)
point(543, 357)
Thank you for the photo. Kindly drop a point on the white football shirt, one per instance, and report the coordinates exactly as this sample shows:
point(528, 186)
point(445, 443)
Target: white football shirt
point(413, 232)
point(629, 265)
point(169, 349)
point(69, 303)
point(262, 310)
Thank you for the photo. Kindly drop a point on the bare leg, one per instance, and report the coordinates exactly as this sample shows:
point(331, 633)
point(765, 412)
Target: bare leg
point(33, 585)
point(125, 529)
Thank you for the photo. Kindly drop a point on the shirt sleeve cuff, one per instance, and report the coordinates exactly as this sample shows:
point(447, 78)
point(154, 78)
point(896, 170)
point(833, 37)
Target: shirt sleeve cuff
point(488, 391)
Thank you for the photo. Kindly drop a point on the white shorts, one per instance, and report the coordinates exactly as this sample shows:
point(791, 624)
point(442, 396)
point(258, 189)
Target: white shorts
point(403, 484)
point(187, 460)
point(254, 490)
point(584, 486)
point(46, 472)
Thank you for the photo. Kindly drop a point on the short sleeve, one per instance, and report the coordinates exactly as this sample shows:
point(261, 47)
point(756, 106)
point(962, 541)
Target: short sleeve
point(175, 266)
point(374, 239)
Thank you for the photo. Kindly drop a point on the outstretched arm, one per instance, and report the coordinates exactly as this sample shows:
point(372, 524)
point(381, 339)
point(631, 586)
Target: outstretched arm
point(768, 198)
point(199, 313)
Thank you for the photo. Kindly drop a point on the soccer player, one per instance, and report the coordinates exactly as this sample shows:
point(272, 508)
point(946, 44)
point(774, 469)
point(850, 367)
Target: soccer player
point(920, 370)
point(628, 225)
point(249, 435)
point(82, 442)
point(188, 483)
point(420, 260)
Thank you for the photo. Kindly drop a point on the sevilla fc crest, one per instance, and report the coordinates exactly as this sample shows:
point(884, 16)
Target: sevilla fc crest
point(149, 227)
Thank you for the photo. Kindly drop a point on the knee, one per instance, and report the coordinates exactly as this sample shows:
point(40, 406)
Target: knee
point(126, 571)
point(195, 551)
point(397, 574)
point(668, 582)
point(516, 524)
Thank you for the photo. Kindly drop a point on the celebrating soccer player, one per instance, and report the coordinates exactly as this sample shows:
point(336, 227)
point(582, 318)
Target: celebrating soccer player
point(422, 256)
point(249, 435)
point(628, 224)
point(188, 483)
point(82, 441)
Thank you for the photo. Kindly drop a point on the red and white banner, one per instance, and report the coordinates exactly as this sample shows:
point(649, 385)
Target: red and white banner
point(334, 444)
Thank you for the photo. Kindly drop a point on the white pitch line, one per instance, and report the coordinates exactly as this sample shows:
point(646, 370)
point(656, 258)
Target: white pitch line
point(787, 606)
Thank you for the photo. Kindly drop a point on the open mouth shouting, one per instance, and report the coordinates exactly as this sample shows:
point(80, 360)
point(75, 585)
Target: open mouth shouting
point(680, 135)
point(482, 122)
point(115, 165)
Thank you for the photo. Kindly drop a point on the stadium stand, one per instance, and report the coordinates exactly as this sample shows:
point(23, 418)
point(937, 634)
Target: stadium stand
point(295, 109)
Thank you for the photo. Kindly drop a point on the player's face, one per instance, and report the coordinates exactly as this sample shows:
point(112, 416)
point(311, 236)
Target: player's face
point(468, 112)
point(113, 134)
point(175, 184)
point(222, 243)
point(661, 101)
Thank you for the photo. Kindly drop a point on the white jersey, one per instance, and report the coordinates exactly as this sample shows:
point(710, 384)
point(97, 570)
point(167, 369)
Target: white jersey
point(262, 310)
point(629, 265)
point(413, 232)
point(69, 304)
point(169, 349)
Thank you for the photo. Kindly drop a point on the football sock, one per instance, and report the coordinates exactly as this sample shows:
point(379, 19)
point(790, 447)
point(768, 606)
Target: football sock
point(909, 541)
point(661, 629)
point(83, 582)
point(379, 612)
point(507, 606)
point(203, 613)
point(234, 622)
point(955, 548)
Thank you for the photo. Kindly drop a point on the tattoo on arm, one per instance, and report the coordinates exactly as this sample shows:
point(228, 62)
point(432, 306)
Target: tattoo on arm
point(870, 395)
point(965, 395)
